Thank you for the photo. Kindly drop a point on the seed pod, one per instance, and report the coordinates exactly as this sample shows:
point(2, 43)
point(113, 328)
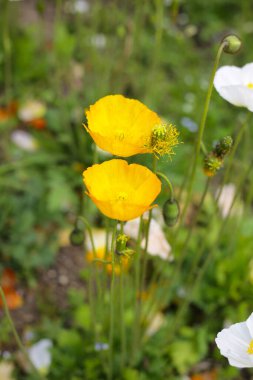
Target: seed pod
point(171, 212)
point(223, 147)
point(76, 237)
point(232, 44)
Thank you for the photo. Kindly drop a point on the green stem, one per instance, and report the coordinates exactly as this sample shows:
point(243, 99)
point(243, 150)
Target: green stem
point(112, 291)
point(161, 300)
point(7, 51)
point(168, 183)
point(122, 321)
point(16, 336)
point(122, 301)
point(136, 290)
point(181, 311)
point(200, 133)
point(232, 155)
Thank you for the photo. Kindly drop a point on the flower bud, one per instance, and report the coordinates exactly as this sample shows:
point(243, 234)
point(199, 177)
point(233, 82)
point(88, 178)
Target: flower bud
point(76, 237)
point(223, 147)
point(171, 212)
point(211, 165)
point(232, 44)
point(121, 242)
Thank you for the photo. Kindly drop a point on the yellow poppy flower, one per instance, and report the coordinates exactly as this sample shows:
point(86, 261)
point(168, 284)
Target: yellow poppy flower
point(120, 125)
point(121, 191)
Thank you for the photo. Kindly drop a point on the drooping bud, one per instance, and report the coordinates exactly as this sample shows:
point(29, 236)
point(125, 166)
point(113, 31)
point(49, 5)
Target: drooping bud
point(162, 140)
point(232, 44)
point(211, 165)
point(223, 147)
point(76, 237)
point(171, 212)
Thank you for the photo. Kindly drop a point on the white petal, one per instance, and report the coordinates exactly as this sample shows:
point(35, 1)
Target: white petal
point(233, 344)
point(249, 324)
point(24, 140)
point(240, 95)
point(157, 242)
point(247, 73)
point(227, 76)
point(40, 354)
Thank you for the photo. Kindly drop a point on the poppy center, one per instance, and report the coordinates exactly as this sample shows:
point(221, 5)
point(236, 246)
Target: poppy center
point(120, 135)
point(250, 348)
point(250, 85)
point(121, 196)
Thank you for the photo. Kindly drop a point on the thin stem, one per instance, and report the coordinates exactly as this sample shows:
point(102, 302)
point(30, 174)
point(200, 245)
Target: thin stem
point(122, 321)
point(112, 291)
point(180, 313)
point(7, 51)
point(168, 183)
point(232, 155)
point(136, 290)
point(161, 300)
point(122, 301)
point(16, 336)
point(201, 132)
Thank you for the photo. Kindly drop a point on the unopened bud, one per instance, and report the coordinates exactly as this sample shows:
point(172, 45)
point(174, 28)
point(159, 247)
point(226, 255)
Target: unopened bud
point(232, 44)
point(171, 212)
point(211, 165)
point(223, 147)
point(76, 237)
point(121, 242)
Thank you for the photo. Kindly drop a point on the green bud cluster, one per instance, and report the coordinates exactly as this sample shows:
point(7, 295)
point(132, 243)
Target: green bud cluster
point(214, 160)
point(211, 165)
point(223, 147)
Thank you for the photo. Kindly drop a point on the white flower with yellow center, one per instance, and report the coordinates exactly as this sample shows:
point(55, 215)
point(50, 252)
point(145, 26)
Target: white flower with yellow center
point(236, 343)
point(235, 85)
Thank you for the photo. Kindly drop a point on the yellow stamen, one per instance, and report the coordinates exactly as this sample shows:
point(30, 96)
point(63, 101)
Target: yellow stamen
point(250, 348)
point(162, 140)
point(250, 85)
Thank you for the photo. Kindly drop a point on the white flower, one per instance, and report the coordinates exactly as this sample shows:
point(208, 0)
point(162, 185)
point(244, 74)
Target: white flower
point(155, 324)
point(226, 200)
point(40, 355)
point(24, 140)
point(78, 6)
point(99, 41)
point(236, 343)
point(31, 110)
point(235, 85)
point(157, 242)
point(6, 370)
point(99, 238)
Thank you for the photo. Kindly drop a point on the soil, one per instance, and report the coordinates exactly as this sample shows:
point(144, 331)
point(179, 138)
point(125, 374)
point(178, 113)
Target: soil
point(51, 292)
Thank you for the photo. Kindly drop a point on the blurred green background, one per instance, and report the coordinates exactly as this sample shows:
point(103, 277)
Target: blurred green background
point(65, 55)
